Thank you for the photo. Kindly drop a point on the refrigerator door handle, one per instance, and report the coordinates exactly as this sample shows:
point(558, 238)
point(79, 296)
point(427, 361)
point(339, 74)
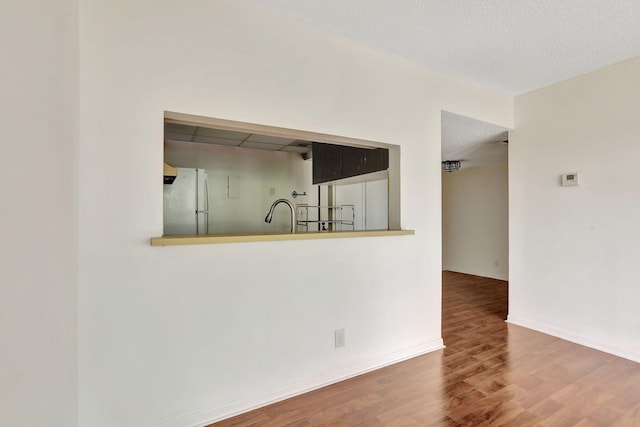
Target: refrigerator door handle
point(206, 203)
point(197, 207)
point(197, 202)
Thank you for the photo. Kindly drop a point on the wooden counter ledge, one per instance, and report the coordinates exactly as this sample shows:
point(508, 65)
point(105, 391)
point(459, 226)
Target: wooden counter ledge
point(269, 237)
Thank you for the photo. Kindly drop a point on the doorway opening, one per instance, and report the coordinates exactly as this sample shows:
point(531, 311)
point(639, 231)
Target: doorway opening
point(475, 210)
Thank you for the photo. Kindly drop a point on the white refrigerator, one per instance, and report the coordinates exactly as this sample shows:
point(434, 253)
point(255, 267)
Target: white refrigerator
point(186, 203)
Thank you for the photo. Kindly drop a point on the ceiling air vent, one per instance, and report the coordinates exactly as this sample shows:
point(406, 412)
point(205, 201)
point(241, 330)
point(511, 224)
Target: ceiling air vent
point(302, 144)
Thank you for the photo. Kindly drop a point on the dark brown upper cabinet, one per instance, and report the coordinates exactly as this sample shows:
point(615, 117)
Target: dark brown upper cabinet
point(332, 162)
point(377, 160)
point(354, 161)
point(326, 162)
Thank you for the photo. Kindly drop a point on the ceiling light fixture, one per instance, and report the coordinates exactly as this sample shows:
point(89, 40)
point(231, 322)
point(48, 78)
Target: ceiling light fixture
point(450, 165)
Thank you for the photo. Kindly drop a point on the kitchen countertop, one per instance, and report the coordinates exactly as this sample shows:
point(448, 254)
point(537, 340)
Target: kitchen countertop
point(204, 239)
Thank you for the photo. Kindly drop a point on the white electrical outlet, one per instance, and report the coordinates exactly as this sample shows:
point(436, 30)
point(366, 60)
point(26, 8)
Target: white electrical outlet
point(338, 336)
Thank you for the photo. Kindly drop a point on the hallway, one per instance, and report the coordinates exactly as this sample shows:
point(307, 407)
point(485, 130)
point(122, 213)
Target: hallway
point(490, 373)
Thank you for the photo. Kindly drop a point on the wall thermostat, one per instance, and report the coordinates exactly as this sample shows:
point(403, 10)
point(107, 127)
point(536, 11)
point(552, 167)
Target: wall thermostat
point(572, 178)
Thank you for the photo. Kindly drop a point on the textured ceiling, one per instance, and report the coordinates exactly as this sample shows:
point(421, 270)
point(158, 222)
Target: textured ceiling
point(475, 143)
point(512, 46)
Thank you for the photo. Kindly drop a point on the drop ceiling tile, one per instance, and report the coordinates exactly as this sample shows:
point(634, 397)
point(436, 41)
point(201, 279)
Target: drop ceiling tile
point(294, 149)
point(219, 133)
point(177, 128)
point(262, 146)
point(214, 140)
point(177, 136)
point(270, 140)
point(302, 143)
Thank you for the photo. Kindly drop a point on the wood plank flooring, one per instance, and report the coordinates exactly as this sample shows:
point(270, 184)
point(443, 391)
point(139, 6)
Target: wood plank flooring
point(491, 373)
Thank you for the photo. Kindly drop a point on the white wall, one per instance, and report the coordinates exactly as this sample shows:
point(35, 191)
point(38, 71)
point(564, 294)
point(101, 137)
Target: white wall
point(574, 250)
point(475, 221)
point(185, 335)
point(38, 270)
point(258, 171)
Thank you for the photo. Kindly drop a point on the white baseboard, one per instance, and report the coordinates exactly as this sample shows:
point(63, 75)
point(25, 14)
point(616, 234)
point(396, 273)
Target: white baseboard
point(495, 275)
point(210, 415)
point(568, 335)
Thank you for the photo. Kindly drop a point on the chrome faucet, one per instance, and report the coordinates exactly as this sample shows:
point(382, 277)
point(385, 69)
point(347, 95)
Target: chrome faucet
point(269, 216)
